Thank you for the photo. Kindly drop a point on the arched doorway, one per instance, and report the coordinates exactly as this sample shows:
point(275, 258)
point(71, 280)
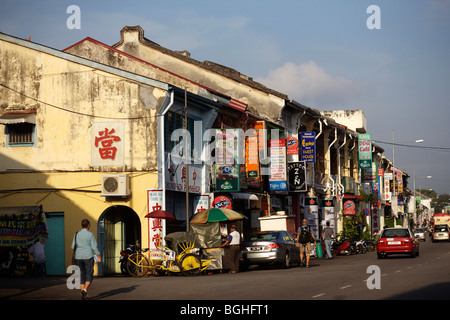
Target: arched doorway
point(118, 226)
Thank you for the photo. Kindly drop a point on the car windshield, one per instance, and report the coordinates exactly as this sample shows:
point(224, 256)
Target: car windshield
point(395, 233)
point(268, 236)
point(441, 229)
point(419, 230)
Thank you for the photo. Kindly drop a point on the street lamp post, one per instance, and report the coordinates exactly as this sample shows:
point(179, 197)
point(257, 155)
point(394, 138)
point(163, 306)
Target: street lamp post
point(393, 171)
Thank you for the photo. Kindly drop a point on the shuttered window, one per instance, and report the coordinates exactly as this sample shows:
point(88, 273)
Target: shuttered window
point(20, 134)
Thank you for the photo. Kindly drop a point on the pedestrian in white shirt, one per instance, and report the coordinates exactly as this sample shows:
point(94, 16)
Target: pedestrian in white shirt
point(234, 240)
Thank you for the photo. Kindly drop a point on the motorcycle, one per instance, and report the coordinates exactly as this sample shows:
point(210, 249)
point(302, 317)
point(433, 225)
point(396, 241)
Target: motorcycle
point(370, 245)
point(342, 246)
point(124, 254)
point(361, 246)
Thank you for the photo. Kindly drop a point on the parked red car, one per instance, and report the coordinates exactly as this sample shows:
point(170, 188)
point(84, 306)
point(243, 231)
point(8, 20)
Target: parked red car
point(397, 241)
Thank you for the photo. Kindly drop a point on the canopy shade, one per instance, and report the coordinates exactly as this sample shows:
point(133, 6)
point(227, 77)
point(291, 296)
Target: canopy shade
point(161, 214)
point(216, 215)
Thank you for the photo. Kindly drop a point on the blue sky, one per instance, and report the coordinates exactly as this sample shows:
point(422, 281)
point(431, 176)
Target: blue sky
point(320, 53)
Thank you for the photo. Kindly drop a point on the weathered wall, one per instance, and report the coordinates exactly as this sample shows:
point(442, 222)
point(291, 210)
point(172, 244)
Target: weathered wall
point(74, 91)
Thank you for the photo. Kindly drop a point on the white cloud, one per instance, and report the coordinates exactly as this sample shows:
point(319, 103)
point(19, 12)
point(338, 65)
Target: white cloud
point(311, 85)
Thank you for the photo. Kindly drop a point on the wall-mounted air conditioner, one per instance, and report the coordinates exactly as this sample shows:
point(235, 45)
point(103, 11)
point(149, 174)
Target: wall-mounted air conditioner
point(115, 185)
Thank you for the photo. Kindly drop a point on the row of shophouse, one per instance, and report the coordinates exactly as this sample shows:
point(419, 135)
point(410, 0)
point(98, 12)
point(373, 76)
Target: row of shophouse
point(93, 131)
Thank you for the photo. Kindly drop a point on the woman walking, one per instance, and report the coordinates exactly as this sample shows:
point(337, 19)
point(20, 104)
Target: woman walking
point(85, 247)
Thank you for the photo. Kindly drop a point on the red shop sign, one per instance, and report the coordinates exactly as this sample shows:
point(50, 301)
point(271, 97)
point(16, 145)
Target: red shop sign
point(222, 202)
point(349, 207)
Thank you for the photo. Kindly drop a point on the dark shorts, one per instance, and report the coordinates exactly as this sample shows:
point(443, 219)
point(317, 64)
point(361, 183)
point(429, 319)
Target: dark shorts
point(86, 270)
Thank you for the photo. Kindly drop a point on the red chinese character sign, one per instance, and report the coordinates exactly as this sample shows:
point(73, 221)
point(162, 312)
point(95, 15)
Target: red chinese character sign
point(156, 227)
point(107, 144)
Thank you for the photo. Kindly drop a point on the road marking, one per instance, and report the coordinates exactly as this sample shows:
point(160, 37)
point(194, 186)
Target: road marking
point(318, 295)
point(398, 271)
point(345, 287)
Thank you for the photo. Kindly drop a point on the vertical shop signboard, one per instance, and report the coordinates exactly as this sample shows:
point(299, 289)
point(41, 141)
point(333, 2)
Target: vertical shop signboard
point(278, 160)
point(227, 165)
point(156, 227)
point(365, 150)
point(328, 213)
point(375, 217)
point(252, 170)
point(312, 215)
point(308, 146)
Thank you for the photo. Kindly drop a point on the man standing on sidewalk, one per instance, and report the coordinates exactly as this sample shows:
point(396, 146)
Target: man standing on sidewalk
point(327, 235)
point(234, 240)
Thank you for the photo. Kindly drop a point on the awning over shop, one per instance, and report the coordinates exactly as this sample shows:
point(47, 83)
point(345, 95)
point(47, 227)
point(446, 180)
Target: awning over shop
point(21, 226)
point(15, 117)
point(244, 196)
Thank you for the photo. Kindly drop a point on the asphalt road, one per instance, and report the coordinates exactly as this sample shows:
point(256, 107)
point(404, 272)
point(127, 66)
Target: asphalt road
point(344, 277)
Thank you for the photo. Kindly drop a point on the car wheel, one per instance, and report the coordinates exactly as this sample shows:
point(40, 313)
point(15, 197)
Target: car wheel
point(287, 261)
point(380, 256)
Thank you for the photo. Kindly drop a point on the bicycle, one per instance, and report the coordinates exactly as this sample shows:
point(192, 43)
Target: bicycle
point(162, 260)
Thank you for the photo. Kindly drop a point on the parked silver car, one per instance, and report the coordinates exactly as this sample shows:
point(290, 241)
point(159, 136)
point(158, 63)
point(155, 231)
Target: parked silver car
point(270, 247)
point(419, 233)
point(440, 233)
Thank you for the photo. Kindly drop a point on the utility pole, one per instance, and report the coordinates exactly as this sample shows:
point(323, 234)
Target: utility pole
point(186, 164)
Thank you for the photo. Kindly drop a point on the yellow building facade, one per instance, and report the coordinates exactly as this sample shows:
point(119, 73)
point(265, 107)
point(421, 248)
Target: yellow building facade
point(67, 124)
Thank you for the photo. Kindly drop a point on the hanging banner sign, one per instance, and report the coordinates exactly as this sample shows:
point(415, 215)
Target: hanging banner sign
point(365, 150)
point(227, 165)
point(308, 146)
point(297, 176)
point(278, 160)
point(22, 226)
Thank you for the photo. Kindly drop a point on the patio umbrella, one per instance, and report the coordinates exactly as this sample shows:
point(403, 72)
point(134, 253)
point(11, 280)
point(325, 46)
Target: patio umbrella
point(160, 214)
point(216, 215)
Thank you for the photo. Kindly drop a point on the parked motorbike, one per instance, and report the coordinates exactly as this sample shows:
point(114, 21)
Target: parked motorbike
point(342, 246)
point(370, 245)
point(124, 254)
point(360, 246)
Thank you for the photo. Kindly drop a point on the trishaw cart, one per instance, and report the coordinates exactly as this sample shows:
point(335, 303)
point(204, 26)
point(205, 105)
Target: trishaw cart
point(208, 226)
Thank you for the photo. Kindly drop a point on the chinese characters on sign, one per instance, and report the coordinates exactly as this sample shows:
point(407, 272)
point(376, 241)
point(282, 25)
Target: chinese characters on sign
point(107, 144)
point(156, 227)
point(104, 143)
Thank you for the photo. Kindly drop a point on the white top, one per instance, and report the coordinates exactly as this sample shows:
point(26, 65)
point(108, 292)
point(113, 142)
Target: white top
point(234, 238)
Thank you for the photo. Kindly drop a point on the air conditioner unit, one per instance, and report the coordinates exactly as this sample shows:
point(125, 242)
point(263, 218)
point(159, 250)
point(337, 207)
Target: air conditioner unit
point(115, 185)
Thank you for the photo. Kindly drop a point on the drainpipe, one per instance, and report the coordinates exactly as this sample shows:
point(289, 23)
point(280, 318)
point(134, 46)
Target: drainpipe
point(340, 186)
point(329, 158)
point(314, 170)
point(168, 102)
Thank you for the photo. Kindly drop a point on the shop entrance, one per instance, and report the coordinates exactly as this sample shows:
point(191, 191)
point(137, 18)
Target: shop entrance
point(118, 226)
